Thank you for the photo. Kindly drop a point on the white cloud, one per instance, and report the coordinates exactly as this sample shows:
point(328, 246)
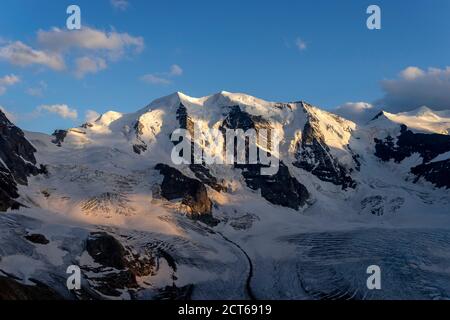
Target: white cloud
point(9, 80)
point(86, 65)
point(90, 48)
point(153, 79)
point(91, 115)
point(411, 73)
point(61, 110)
point(6, 81)
point(11, 116)
point(358, 112)
point(300, 44)
point(415, 88)
point(120, 4)
point(22, 55)
point(175, 70)
point(59, 40)
point(163, 78)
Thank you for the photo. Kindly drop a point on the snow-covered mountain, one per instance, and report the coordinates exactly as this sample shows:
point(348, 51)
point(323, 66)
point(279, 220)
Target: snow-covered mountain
point(107, 197)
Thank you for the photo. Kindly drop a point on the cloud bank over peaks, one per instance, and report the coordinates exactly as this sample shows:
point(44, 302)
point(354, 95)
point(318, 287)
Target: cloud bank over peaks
point(415, 87)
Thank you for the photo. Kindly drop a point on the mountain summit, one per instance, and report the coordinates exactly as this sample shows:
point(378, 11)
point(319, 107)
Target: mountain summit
point(107, 197)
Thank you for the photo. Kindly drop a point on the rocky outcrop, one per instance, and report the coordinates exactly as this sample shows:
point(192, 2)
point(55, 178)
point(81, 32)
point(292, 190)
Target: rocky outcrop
point(37, 238)
point(174, 293)
point(429, 146)
point(313, 155)
point(140, 146)
point(192, 193)
point(280, 189)
point(10, 289)
point(8, 191)
point(17, 162)
point(16, 151)
point(59, 136)
point(437, 173)
point(184, 120)
point(108, 252)
point(379, 205)
point(204, 175)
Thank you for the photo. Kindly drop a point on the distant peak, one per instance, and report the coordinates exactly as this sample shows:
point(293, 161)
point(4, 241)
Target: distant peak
point(108, 117)
point(381, 114)
point(424, 110)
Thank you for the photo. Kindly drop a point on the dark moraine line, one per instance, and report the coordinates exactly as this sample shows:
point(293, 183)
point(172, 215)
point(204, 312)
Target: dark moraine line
point(248, 286)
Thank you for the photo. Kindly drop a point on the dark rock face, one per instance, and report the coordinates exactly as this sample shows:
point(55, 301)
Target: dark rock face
point(141, 146)
point(204, 175)
point(86, 125)
point(314, 156)
point(59, 136)
point(280, 189)
point(37, 238)
point(437, 173)
point(174, 293)
point(16, 152)
point(107, 251)
point(429, 146)
point(18, 162)
point(184, 120)
point(380, 205)
point(238, 119)
point(192, 192)
point(13, 290)
point(8, 191)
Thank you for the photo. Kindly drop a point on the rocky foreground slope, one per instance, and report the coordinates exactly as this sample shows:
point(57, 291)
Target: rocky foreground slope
point(108, 198)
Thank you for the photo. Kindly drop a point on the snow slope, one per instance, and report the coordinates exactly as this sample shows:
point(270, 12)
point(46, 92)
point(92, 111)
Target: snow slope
point(102, 178)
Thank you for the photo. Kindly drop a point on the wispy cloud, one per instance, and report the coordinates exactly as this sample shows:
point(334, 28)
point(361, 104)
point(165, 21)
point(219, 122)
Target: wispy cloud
point(153, 79)
point(115, 43)
point(175, 70)
point(6, 81)
point(37, 91)
point(85, 65)
point(359, 112)
point(91, 49)
point(163, 78)
point(120, 4)
point(9, 80)
point(61, 110)
point(91, 115)
point(20, 54)
point(300, 44)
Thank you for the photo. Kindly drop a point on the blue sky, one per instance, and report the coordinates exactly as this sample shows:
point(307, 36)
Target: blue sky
point(201, 47)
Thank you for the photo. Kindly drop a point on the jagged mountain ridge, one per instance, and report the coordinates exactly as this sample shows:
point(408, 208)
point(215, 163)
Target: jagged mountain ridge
point(116, 172)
